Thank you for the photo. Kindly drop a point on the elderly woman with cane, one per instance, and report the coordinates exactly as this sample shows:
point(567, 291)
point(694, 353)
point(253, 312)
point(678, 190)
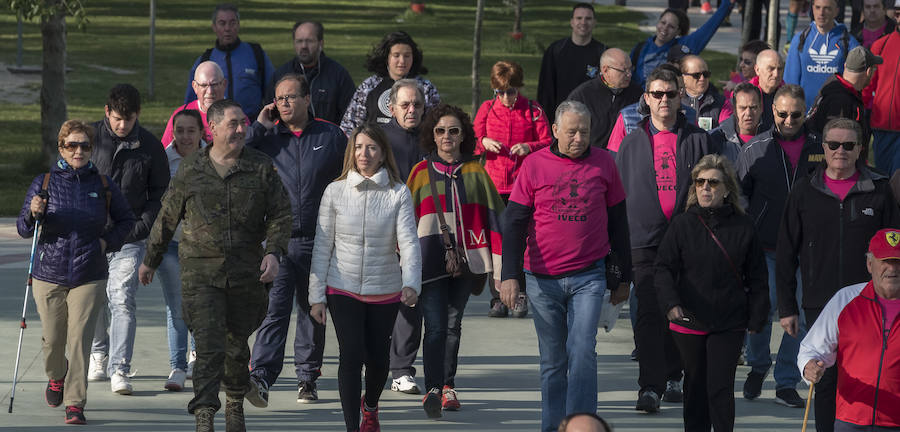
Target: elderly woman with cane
point(83, 217)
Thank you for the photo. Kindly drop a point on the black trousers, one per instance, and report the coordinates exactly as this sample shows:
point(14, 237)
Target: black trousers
point(826, 388)
point(364, 337)
point(709, 367)
point(658, 358)
point(405, 341)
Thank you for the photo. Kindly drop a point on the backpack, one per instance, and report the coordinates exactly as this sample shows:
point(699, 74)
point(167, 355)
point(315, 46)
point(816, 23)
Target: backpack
point(260, 65)
point(845, 41)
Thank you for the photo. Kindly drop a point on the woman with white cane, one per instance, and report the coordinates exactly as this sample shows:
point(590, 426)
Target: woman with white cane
point(83, 217)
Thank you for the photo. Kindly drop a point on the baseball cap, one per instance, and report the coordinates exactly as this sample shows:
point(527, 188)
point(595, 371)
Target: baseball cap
point(885, 244)
point(859, 59)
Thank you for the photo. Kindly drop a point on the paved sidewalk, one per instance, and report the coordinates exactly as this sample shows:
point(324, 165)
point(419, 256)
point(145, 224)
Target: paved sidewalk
point(498, 378)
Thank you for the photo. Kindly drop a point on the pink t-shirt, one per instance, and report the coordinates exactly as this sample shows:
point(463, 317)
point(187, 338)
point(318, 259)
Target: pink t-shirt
point(891, 309)
point(370, 299)
point(747, 138)
point(297, 133)
point(870, 36)
point(792, 149)
point(664, 143)
point(569, 198)
point(684, 330)
point(841, 187)
point(617, 135)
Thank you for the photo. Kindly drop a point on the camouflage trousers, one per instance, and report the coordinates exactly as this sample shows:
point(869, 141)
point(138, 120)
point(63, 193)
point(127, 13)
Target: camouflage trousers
point(221, 320)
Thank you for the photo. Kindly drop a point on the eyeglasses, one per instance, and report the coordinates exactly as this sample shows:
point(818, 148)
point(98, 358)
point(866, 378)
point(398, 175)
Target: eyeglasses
point(213, 84)
point(697, 75)
point(713, 182)
point(671, 94)
point(453, 131)
point(622, 71)
point(405, 105)
point(794, 114)
point(510, 92)
point(748, 62)
point(847, 145)
point(287, 98)
point(73, 145)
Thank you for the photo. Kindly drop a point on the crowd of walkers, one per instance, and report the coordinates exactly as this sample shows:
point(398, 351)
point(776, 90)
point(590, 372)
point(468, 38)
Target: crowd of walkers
point(629, 178)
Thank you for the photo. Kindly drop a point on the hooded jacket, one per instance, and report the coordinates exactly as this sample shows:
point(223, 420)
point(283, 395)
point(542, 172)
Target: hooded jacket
point(838, 98)
point(820, 57)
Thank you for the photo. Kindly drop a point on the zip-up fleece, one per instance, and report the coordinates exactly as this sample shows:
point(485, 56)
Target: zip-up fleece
point(851, 333)
point(829, 237)
point(604, 105)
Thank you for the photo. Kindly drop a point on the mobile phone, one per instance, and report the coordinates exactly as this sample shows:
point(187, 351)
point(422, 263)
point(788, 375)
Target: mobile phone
point(273, 114)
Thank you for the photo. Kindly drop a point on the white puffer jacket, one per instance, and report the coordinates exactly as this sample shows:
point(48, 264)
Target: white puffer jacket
point(362, 222)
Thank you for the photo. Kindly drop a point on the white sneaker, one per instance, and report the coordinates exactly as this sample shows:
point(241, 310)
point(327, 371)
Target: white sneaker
point(192, 357)
point(405, 384)
point(97, 367)
point(176, 380)
point(120, 383)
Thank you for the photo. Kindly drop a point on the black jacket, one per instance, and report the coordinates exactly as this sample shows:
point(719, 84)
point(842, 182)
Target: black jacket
point(564, 67)
point(694, 273)
point(728, 140)
point(405, 146)
point(306, 164)
point(829, 236)
point(330, 86)
point(139, 166)
point(646, 221)
point(836, 100)
point(707, 105)
point(764, 172)
point(604, 105)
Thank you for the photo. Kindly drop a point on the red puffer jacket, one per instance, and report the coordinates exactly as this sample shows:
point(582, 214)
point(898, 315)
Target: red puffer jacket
point(524, 123)
point(886, 84)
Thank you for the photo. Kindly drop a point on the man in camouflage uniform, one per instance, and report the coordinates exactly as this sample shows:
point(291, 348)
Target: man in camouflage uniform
point(230, 199)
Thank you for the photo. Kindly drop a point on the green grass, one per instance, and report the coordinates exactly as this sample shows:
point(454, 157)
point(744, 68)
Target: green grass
point(118, 37)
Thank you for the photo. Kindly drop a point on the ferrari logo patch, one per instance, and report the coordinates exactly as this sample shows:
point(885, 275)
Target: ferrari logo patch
point(892, 237)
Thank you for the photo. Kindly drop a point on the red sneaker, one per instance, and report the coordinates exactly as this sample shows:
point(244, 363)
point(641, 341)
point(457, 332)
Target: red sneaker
point(706, 8)
point(75, 415)
point(369, 421)
point(449, 401)
point(54, 392)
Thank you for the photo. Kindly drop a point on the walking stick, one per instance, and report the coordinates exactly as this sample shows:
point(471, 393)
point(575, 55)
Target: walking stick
point(22, 325)
point(808, 399)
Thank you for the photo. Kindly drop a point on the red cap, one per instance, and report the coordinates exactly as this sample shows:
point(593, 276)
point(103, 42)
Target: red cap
point(885, 244)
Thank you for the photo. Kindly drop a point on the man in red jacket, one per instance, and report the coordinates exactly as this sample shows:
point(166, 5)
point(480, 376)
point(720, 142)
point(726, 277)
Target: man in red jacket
point(858, 330)
point(885, 119)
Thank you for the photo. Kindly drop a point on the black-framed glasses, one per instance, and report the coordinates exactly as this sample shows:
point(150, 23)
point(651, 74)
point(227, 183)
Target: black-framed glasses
point(622, 71)
point(73, 145)
point(697, 75)
point(510, 92)
point(713, 182)
point(452, 130)
point(794, 114)
point(287, 98)
point(671, 94)
point(847, 145)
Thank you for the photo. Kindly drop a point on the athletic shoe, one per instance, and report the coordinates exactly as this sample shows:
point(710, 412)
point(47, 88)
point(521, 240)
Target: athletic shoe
point(648, 401)
point(753, 385)
point(120, 383)
point(449, 400)
point(97, 367)
point(706, 8)
point(258, 392)
point(673, 391)
point(234, 414)
point(789, 398)
point(498, 309)
point(432, 403)
point(176, 380)
point(75, 415)
point(405, 384)
point(54, 393)
point(369, 421)
point(204, 417)
point(306, 392)
point(192, 357)
point(520, 309)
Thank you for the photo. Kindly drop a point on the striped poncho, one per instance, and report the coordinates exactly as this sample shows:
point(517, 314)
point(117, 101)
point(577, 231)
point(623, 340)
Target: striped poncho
point(473, 216)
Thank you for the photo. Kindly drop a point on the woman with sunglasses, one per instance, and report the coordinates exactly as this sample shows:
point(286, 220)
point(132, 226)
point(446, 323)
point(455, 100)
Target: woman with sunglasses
point(451, 180)
point(711, 281)
point(82, 217)
point(508, 128)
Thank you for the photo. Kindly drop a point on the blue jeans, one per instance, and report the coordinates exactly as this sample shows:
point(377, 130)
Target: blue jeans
point(566, 312)
point(169, 273)
point(121, 288)
point(887, 150)
point(759, 356)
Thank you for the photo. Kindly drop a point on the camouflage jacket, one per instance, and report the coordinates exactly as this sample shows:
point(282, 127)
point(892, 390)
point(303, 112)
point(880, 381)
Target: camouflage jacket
point(225, 221)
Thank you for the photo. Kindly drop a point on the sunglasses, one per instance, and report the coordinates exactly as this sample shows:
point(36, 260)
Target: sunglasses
point(713, 182)
point(847, 145)
point(748, 62)
point(510, 92)
point(453, 131)
point(697, 75)
point(794, 114)
point(671, 94)
point(73, 145)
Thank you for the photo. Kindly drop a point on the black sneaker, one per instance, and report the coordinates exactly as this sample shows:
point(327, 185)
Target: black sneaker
point(789, 398)
point(431, 403)
point(753, 385)
point(648, 401)
point(258, 393)
point(498, 309)
point(673, 392)
point(54, 393)
point(306, 392)
point(75, 415)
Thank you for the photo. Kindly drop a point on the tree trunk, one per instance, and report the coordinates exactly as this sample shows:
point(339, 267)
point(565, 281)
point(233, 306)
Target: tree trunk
point(53, 81)
point(476, 55)
point(517, 25)
point(772, 28)
point(746, 25)
point(150, 75)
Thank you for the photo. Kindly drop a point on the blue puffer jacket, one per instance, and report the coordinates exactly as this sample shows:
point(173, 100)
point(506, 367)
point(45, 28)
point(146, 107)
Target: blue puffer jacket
point(68, 251)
